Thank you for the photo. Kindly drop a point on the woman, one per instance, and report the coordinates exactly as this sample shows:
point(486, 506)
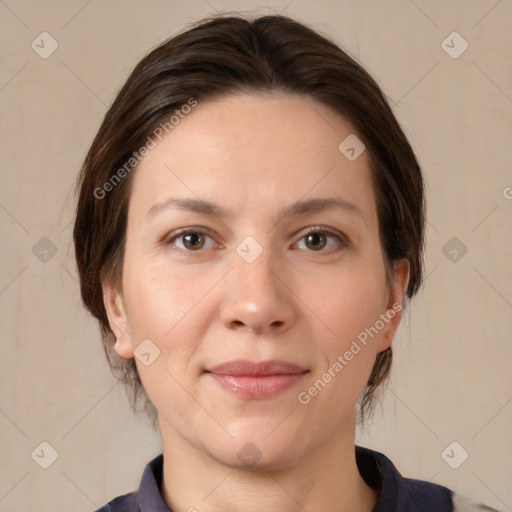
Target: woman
point(250, 226)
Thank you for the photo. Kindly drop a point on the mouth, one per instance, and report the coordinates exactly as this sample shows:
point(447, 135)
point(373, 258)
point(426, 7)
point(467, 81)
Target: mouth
point(256, 380)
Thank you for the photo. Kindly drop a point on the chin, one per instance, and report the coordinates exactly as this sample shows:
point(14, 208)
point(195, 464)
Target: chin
point(251, 457)
point(259, 447)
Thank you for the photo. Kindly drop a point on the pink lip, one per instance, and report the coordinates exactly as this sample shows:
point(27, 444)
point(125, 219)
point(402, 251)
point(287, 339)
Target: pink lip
point(248, 379)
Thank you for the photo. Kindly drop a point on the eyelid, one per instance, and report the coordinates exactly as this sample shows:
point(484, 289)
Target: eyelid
point(190, 229)
point(322, 229)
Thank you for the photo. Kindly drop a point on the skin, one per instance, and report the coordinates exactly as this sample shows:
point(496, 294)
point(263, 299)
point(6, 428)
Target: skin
point(301, 300)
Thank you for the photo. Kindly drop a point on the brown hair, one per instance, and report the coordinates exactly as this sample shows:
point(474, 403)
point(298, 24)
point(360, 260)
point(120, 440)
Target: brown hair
point(221, 55)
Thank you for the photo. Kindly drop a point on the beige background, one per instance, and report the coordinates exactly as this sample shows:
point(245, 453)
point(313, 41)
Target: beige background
point(452, 379)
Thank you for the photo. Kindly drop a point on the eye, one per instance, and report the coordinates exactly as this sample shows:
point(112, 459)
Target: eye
point(192, 239)
point(317, 238)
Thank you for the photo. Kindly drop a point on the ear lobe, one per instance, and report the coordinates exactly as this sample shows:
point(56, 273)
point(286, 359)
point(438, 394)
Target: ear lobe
point(118, 321)
point(393, 313)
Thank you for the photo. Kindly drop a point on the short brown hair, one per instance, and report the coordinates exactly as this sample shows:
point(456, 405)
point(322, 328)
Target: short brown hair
point(217, 56)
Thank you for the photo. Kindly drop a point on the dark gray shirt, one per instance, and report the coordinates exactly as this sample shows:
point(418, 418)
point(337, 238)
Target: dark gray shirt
point(396, 493)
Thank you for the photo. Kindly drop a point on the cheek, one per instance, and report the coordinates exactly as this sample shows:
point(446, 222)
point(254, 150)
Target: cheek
point(164, 305)
point(163, 302)
point(351, 299)
point(152, 294)
point(348, 355)
point(349, 303)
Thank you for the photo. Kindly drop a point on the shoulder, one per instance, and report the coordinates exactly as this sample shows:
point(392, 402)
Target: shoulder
point(397, 493)
point(465, 504)
point(147, 497)
point(413, 494)
point(421, 493)
point(401, 494)
point(124, 503)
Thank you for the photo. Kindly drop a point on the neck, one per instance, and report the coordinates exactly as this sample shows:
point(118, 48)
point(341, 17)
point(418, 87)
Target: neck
point(328, 479)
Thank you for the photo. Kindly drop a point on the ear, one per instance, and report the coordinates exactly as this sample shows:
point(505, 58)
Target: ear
point(393, 313)
point(116, 312)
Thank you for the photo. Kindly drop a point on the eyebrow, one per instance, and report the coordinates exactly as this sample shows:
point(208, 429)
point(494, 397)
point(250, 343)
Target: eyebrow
point(209, 209)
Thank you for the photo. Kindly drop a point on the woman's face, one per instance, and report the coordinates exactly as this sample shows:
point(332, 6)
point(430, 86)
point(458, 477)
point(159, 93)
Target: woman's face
point(282, 264)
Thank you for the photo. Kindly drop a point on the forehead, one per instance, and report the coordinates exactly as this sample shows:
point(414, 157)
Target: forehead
point(254, 150)
point(240, 123)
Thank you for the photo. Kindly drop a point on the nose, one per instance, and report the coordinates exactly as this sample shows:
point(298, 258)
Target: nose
point(257, 297)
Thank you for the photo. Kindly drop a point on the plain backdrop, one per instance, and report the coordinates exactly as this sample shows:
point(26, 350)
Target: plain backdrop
point(452, 375)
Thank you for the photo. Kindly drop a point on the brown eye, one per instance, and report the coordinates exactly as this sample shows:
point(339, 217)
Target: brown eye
point(319, 239)
point(193, 241)
point(188, 240)
point(316, 241)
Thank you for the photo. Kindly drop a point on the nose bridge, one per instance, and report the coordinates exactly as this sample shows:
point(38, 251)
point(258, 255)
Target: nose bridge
point(256, 270)
point(256, 297)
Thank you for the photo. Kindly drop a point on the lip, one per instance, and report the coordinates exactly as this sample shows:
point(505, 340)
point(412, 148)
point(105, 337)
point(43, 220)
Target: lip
point(256, 380)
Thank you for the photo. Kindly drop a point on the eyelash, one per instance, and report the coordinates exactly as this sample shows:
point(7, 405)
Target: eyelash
point(341, 238)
